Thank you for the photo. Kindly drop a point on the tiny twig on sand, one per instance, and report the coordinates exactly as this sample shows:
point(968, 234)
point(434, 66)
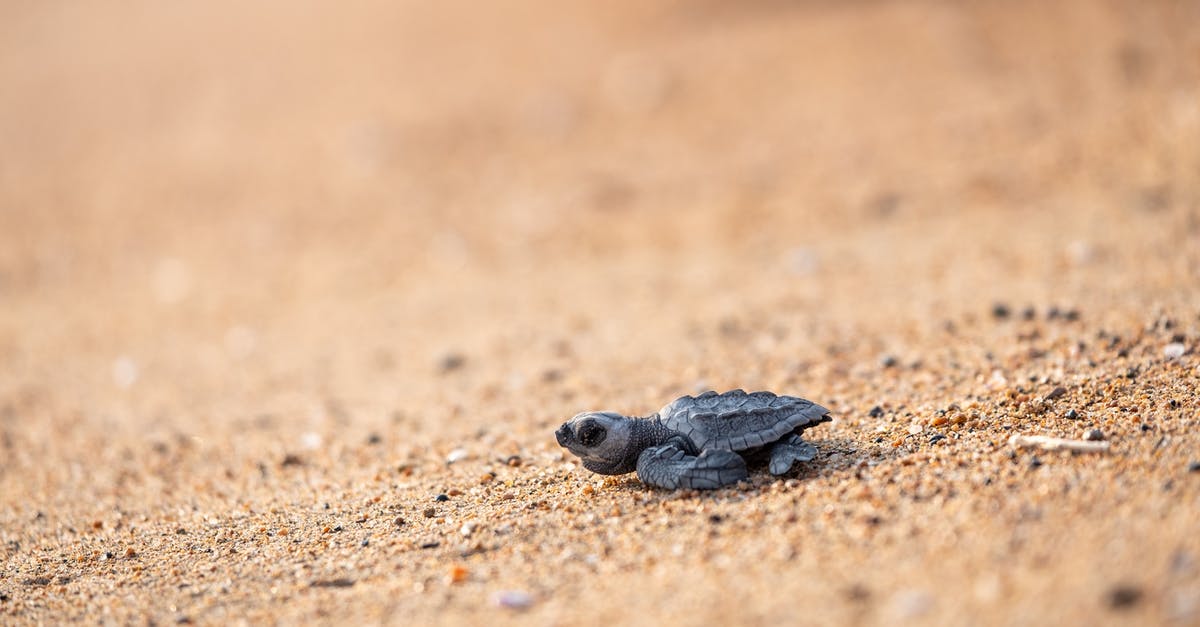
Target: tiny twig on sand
point(1058, 444)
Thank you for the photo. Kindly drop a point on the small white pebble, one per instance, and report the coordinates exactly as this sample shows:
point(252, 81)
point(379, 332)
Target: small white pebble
point(1174, 350)
point(124, 372)
point(311, 441)
point(456, 455)
point(909, 604)
point(467, 529)
point(514, 599)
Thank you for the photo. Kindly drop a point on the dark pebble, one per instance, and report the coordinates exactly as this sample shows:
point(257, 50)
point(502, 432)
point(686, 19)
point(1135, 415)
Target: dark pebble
point(1000, 311)
point(1071, 315)
point(442, 498)
point(430, 545)
point(400, 522)
point(3, 597)
point(858, 592)
point(337, 527)
point(1071, 414)
point(365, 542)
point(181, 531)
point(715, 518)
point(451, 362)
point(1029, 313)
point(1194, 467)
point(340, 582)
point(1124, 596)
point(430, 512)
point(1093, 435)
point(1035, 462)
point(374, 438)
point(183, 620)
point(876, 412)
point(888, 361)
point(1056, 392)
point(291, 460)
point(38, 581)
point(936, 437)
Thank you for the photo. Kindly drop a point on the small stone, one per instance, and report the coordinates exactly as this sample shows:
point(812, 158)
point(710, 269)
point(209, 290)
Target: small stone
point(888, 361)
point(459, 574)
point(451, 362)
point(1093, 435)
point(374, 438)
point(430, 512)
point(514, 599)
point(433, 544)
point(1035, 462)
point(365, 542)
point(1056, 392)
point(1174, 350)
point(442, 498)
point(456, 455)
point(514, 461)
point(341, 582)
point(1000, 311)
point(1124, 596)
point(1194, 467)
point(399, 521)
point(1029, 313)
point(1071, 414)
point(876, 412)
point(935, 438)
point(468, 529)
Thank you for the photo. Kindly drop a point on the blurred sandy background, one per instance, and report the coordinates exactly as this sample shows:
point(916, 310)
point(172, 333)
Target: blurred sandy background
point(261, 263)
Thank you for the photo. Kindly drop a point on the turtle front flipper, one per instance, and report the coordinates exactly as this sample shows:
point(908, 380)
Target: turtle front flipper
point(788, 451)
point(670, 466)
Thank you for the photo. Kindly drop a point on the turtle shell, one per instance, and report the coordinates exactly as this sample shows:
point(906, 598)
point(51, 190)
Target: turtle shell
point(737, 421)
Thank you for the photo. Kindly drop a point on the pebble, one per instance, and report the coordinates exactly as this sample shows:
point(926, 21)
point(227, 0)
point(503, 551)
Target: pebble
point(468, 529)
point(1194, 467)
point(442, 498)
point(909, 604)
point(341, 582)
point(1056, 392)
point(514, 599)
point(1071, 414)
point(1124, 596)
point(457, 454)
point(1093, 435)
point(1174, 350)
point(430, 512)
point(459, 574)
point(1000, 311)
point(888, 361)
point(451, 362)
point(876, 412)
point(935, 438)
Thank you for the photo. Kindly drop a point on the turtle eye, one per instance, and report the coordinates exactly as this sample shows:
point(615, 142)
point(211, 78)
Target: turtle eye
point(591, 434)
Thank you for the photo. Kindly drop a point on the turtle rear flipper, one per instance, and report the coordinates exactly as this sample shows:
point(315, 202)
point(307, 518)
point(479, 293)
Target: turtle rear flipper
point(670, 466)
point(786, 452)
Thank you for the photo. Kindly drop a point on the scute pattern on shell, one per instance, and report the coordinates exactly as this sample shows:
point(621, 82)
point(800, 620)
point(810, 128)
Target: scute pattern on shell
point(738, 421)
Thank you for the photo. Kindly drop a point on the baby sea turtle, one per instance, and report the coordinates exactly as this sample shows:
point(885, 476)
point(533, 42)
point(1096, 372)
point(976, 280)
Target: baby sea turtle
point(700, 442)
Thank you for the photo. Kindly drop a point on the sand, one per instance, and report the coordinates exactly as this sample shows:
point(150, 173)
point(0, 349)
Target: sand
point(293, 298)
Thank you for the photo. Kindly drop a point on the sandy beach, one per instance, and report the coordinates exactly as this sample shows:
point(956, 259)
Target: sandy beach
point(293, 297)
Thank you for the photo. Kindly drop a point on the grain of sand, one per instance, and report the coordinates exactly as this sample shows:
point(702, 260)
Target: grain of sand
point(293, 297)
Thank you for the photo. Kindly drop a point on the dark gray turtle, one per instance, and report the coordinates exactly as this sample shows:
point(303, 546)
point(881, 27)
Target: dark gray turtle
point(700, 442)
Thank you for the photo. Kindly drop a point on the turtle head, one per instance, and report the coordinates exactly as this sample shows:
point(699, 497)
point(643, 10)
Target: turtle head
point(602, 440)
